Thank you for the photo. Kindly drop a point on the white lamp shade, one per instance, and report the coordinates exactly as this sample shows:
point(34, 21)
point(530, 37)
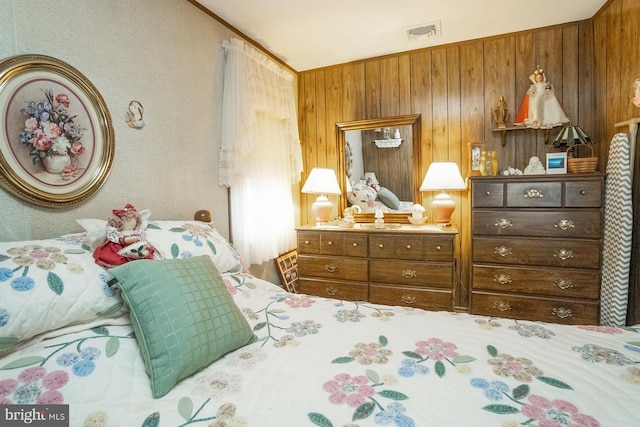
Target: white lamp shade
point(370, 177)
point(321, 181)
point(443, 176)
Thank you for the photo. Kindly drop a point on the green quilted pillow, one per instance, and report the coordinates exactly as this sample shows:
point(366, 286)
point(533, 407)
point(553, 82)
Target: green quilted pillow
point(387, 197)
point(183, 316)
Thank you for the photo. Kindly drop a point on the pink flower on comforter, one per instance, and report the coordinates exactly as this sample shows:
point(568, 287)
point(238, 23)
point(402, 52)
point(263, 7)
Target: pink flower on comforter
point(436, 349)
point(344, 388)
point(556, 413)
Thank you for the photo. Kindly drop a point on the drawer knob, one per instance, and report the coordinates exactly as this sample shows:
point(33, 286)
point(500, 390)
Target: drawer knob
point(409, 274)
point(564, 224)
point(502, 306)
point(533, 194)
point(502, 278)
point(331, 291)
point(438, 248)
point(563, 284)
point(408, 299)
point(380, 245)
point(562, 312)
point(503, 250)
point(330, 243)
point(504, 223)
point(306, 242)
point(487, 193)
point(355, 245)
point(331, 268)
point(563, 254)
point(583, 192)
point(408, 246)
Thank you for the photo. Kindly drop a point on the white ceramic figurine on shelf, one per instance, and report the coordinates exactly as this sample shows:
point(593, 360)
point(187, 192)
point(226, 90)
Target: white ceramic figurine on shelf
point(540, 109)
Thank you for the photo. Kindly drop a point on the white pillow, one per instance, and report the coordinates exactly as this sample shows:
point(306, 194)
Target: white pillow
point(186, 239)
point(49, 284)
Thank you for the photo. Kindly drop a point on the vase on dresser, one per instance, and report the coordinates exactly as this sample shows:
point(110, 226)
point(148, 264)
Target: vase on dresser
point(55, 163)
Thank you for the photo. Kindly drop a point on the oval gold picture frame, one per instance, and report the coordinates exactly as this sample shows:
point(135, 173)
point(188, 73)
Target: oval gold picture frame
point(57, 139)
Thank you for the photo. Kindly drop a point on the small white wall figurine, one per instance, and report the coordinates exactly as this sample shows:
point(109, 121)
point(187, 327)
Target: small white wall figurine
point(134, 115)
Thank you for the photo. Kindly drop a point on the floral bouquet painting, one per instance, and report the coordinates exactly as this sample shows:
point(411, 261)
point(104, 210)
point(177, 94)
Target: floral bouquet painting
point(52, 136)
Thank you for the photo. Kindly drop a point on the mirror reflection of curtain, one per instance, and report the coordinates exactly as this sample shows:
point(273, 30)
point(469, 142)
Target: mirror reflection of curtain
point(261, 155)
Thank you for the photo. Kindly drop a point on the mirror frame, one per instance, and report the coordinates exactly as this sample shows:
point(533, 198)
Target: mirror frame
point(412, 120)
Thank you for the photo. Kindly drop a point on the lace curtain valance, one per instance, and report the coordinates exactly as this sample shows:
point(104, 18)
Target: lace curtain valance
point(254, 84)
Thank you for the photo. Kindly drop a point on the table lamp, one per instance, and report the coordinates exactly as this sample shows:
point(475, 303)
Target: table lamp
point(443, 176)
point(321, 181)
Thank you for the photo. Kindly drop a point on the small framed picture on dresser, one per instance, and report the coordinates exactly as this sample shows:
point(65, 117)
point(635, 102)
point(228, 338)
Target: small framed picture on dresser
point(556, 163)
point(287, 265)
point(475, 149)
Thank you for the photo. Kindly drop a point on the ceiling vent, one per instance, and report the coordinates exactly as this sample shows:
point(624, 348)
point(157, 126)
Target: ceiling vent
point(425, 31)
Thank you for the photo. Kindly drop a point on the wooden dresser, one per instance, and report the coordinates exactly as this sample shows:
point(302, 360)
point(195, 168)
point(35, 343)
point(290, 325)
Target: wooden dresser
point(407, 266)
point(537, 247)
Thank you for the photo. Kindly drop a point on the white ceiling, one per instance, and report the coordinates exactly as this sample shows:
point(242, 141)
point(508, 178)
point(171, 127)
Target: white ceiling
point(309, 34)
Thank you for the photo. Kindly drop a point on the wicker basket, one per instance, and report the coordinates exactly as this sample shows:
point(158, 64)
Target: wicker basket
point(582, 164)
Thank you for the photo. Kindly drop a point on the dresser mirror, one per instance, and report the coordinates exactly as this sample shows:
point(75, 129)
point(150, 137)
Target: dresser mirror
point(387, 151)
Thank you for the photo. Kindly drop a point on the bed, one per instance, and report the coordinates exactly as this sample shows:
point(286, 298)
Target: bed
point(277, 358)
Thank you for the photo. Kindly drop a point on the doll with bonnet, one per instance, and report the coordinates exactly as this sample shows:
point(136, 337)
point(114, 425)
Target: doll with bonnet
point(126, 239)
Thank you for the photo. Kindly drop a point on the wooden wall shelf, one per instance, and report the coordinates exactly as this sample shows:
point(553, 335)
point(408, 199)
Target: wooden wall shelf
point(510, 128)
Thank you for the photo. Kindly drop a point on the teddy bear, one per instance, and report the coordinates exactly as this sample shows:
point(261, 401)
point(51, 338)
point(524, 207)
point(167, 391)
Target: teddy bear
point(126, 239)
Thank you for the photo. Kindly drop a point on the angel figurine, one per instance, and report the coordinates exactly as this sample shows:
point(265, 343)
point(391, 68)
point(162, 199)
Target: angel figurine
point(540, 109)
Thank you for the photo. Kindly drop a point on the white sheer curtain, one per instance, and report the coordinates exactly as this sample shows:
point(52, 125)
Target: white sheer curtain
point(260, 156)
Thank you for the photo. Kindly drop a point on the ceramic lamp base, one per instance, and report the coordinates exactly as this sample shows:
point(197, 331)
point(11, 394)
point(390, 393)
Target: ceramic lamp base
point(322, 208)
point(442, 208)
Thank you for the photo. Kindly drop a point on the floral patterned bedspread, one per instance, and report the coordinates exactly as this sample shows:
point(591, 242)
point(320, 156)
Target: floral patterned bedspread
point(322, 362)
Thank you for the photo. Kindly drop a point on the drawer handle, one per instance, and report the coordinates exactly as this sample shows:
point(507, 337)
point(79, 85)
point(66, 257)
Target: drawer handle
point(563, 284)
point(380, 245)
point(502, 306)
point(563, 254)
point(504, 223)
point(583, 192)
point(331, 291)
point(564, 224)
point(533, 194)
point(562, 312)
point(408, 299)
point(487, 193)
point(438, 248)
point(502, 278)
point(330, 243)
point(331, 268)
point(306, 242)
point(355, 245)
point(408, 246)
point(409, 274)
point(503, 250)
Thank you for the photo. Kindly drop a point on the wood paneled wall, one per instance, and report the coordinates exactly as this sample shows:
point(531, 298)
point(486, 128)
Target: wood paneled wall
point(456, 87)
point(617, 52)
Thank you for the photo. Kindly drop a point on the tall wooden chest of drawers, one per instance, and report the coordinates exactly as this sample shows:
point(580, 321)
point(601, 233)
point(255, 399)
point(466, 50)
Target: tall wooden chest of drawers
point(407, 266)
point(537, 247)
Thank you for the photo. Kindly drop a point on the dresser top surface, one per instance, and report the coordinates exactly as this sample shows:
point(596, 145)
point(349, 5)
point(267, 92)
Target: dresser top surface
point(543, 177)
point(389, 228)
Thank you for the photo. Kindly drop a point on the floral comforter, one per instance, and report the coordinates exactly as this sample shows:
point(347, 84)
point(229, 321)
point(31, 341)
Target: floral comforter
point(322, 362)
